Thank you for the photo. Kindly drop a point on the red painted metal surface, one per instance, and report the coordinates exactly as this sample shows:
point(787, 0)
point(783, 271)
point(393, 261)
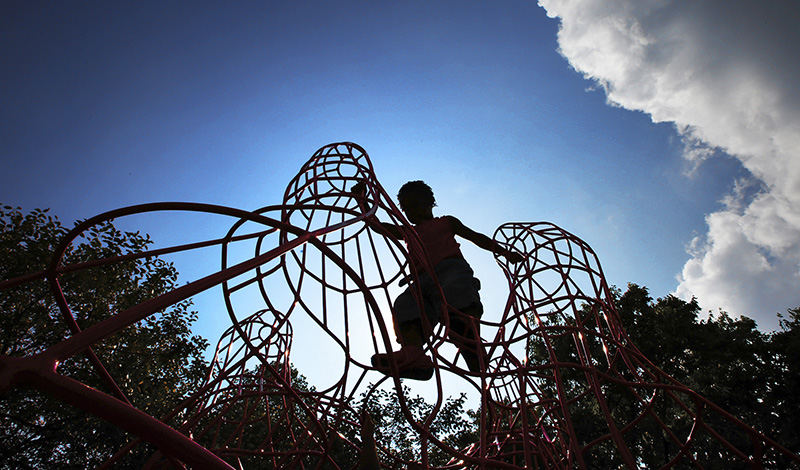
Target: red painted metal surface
point(313, 259)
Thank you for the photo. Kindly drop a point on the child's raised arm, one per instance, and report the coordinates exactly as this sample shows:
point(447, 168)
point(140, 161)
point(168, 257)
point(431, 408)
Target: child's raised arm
point(359, 192)
point(483, 241)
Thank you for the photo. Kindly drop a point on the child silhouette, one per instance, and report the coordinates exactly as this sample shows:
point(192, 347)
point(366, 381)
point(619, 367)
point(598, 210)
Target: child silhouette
point(454, 274)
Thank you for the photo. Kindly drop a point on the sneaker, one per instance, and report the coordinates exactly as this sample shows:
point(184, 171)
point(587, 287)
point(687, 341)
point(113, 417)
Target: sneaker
point(472, 352)
point(471, 358)
point(412, 363)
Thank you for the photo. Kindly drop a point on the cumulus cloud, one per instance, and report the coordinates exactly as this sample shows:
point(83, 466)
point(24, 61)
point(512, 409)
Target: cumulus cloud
point(726, 73)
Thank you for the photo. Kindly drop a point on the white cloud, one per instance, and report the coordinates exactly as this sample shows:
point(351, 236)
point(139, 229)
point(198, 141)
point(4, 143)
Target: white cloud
point(725, 72)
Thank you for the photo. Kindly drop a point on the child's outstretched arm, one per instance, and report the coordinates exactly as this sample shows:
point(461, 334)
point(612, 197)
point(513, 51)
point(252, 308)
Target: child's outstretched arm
point(359, 192)
point(483, 241)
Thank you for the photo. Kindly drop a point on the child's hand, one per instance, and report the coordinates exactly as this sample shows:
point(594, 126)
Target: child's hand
point(513, 257)
point(359, 189)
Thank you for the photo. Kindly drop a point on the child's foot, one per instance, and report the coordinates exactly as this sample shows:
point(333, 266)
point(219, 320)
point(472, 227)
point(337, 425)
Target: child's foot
point(471, 359)
point(470, 355)
point(412, 363)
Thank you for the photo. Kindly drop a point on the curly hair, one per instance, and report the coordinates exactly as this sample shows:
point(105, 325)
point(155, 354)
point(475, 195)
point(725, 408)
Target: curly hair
point(416, 189)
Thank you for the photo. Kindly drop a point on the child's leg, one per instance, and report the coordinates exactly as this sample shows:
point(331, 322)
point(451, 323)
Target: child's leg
point(465, 333)
point(411, 360)
point(460, 289)
point(409, 327)
point(410, 333)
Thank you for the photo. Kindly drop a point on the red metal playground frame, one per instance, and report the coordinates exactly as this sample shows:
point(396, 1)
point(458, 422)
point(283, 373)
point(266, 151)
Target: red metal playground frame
point(314, 256)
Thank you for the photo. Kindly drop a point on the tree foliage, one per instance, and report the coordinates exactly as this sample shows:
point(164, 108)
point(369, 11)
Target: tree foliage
point(254, 422)
point(155, 362)
point(751, 374)
point(454, 424)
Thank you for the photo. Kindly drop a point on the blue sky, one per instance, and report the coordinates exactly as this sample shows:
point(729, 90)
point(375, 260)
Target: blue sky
point(608, 119)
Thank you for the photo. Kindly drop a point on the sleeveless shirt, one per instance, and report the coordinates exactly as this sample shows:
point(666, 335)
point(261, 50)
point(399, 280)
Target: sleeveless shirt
point(439, 240)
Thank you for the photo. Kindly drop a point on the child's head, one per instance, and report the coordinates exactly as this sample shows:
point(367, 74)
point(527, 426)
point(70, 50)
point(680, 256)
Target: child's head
point(417, 193)
point(417, 201)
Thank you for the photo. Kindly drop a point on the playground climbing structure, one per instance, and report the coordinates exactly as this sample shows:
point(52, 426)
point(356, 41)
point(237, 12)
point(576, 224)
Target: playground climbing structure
point(557, 357)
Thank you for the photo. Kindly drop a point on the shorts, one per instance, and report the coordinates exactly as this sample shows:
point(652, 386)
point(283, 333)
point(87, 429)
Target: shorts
point(459, 286)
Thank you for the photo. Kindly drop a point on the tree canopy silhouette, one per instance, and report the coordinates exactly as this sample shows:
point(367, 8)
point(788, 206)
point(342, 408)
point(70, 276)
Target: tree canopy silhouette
point(155, 362)
point(749, 373)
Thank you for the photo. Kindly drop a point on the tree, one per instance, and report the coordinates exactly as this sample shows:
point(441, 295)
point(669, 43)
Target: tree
point(454, 425)
point(781, 403)
point(752, 375)
point(156, 361)
point(723, 359)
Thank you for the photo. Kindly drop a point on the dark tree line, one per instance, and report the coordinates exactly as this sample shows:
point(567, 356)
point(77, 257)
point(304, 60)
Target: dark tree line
point(155, 362)
point(454, 425)
point(753, 375)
